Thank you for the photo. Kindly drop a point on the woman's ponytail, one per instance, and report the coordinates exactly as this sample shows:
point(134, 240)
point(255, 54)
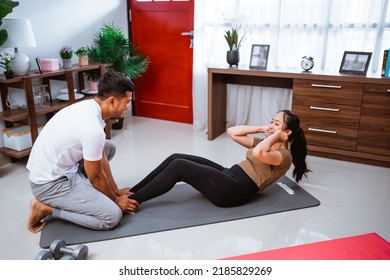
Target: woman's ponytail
point(298, 144)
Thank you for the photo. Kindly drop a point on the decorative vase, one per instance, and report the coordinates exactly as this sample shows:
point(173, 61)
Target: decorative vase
point(67, 62)
point(93, 86)
point(232, 58)
point(9, 74)
point(83, 60)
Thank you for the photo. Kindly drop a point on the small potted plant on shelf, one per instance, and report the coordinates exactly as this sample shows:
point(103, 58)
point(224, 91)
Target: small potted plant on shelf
point(5, 62)
point(93, 79)
point(234, 43)
point(66, 54)
point(82, 53)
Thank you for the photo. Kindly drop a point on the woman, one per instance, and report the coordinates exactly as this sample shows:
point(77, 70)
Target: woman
point(266, 161)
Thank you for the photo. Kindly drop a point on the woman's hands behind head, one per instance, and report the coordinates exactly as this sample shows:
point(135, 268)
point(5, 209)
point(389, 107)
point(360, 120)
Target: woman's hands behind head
point(281, 136)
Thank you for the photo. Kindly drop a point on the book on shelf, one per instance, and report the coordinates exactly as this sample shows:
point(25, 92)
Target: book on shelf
point(386, 63)
point(385, 54)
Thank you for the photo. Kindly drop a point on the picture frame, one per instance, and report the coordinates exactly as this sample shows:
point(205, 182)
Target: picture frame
point(259, 56)
point(39, 64)
point(355, 62)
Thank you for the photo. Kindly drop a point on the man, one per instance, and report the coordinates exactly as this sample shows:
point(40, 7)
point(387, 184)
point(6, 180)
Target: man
point(72, 144)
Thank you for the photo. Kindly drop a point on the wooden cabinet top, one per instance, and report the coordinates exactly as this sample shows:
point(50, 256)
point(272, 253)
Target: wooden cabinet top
point(291, 73)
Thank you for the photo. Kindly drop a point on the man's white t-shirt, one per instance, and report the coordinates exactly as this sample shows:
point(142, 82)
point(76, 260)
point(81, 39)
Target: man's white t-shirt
point(72, 134)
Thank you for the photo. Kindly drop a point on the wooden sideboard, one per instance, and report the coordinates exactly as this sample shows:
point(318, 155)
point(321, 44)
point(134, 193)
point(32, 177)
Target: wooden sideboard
point(344, 117)
point(28, 116)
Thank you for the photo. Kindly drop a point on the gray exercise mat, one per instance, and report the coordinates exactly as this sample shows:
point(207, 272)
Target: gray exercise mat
point(183, 207)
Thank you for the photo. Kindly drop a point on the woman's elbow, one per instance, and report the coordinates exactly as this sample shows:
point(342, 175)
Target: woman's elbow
point(229, 131)
point(260, 154)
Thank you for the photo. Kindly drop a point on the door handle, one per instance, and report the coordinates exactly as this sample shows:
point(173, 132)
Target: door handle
point(189, 33)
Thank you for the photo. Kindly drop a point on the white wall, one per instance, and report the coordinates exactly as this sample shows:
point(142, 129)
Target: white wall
point(66, 22)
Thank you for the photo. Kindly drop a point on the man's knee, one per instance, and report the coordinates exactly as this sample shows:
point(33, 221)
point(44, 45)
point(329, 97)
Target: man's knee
point(112, 218)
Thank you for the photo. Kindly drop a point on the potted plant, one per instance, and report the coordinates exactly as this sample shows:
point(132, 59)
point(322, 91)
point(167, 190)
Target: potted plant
point(93, 78)
point(82, 53)
point(5, 62)
point(113, 47)
point(66, 54)
point(234, 43)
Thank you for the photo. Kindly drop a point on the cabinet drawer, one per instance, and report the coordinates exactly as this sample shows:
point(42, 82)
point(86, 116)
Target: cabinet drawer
point(322, 114)
point(374, 133)
point(330, 136)
point(376, 96)
point(344, 93)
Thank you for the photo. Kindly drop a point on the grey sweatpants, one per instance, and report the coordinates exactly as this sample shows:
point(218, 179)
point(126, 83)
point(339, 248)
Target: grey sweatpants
point(74, 199)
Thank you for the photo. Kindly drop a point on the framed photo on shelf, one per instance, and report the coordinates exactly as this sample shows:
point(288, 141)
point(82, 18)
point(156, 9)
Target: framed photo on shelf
point(259, 57)
point(355, 62)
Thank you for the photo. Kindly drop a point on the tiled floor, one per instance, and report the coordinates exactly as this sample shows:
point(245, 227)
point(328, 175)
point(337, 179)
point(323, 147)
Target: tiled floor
point(354, 200)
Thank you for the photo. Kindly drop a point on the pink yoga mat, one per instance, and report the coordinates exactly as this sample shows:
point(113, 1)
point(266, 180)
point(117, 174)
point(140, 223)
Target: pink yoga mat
point(361, 247)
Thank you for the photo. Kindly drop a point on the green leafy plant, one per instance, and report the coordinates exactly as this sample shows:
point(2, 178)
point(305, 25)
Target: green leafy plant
point(232, 38)
point(92, 76)
point(111, 46)
point(6, 7)
point(81, 51)
point(5, 61)
point(66, 52)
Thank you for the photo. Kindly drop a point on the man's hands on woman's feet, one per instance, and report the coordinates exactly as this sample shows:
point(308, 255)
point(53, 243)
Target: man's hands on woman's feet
point(126, 204)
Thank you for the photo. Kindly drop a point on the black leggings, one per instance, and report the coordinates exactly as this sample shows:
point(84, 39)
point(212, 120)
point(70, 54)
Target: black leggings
point(223, 187)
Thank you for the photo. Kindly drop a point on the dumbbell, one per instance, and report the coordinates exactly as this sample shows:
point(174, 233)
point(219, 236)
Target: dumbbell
point(47, 255)
point(44, 255)
point(58, 249)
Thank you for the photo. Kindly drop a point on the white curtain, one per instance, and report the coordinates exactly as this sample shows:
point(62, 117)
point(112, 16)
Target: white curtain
point(322, 29)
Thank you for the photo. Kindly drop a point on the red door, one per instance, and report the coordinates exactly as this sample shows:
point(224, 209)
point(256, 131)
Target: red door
point(162, 31)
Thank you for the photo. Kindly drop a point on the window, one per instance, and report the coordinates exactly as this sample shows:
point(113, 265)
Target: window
point(322, 29)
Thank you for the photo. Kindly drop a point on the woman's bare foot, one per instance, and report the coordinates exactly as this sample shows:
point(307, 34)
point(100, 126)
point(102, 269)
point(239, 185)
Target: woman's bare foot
point(38, 211)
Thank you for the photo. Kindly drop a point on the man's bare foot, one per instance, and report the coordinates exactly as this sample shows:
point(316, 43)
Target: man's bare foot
point(38, 211)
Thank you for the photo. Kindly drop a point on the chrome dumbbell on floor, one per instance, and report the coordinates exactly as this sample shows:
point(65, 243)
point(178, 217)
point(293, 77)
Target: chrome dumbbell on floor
point(47, 255)
point(59, 250)
point(44, 255)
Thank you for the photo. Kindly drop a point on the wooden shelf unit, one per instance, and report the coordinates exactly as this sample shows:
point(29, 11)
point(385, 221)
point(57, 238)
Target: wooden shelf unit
point(30, 113)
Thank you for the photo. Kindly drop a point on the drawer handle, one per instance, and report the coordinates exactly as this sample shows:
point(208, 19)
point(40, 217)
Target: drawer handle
point(324, 109)
point(388, 91)
point(323, 130)
point(325, 86)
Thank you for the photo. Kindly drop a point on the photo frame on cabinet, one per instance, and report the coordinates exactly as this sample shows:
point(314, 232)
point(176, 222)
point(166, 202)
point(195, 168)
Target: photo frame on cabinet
point(259, 56)
point(355, 62)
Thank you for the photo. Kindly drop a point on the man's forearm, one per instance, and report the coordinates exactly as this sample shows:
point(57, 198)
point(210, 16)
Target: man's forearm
point(101, 184)
point(109, 176)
